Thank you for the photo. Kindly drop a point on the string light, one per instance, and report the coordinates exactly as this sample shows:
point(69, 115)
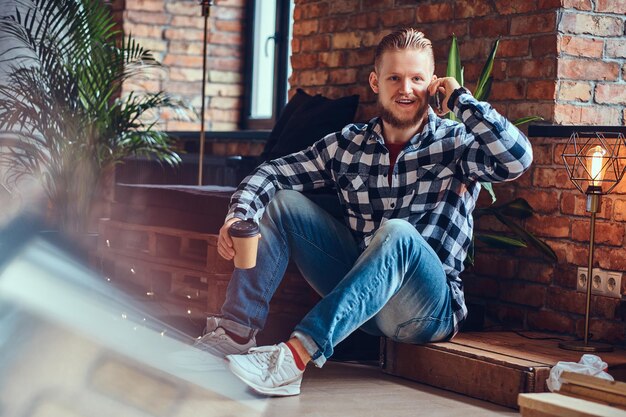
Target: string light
point(108, 243)
point(124, 316)
point(132, 270)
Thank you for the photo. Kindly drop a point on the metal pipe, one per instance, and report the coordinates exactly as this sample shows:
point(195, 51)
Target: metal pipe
point(206, 12)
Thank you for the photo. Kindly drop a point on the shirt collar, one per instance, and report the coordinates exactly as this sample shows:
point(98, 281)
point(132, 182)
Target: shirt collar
point(375, 129)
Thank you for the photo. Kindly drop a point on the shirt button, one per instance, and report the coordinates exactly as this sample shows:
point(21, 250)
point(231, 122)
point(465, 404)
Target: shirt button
point(393, 205)
point(385, 175)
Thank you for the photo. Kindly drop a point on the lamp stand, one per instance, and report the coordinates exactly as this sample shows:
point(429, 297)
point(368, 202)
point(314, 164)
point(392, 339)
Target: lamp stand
point(206, 12)
point(593, 206)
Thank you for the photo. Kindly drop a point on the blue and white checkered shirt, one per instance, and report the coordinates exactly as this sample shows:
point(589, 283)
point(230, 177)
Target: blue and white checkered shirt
point(434, 185)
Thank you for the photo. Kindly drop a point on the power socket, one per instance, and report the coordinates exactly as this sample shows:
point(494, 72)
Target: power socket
point(606, 283)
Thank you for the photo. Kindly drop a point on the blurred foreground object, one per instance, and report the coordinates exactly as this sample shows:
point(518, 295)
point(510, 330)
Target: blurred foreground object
point(71, 345)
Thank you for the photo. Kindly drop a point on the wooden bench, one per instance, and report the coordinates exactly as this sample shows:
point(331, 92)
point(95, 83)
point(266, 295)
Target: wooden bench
point(491, 366)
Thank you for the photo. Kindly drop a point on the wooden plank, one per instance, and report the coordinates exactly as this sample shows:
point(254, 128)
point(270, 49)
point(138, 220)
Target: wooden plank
point(211, 238)
point(544, 351)
point(599, 384)
point(560, 405)
point(488, 355)
point(591, 394)
point(477, 378)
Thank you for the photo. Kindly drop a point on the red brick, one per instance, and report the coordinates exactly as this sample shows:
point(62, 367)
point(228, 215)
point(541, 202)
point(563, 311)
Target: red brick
point(526, 294)
point(620, 210)
point(143, 31)
point(495, 265)
point(365, 20)
point(548, 226)
point(542, 154)
point(610, 258)
point(145, 5)
point(533, 68)
point(398, 17)
point(481, 286)
point(551, 321)
point(569, 252)
point(591, 24)
point(509, 90)
point(577, 4)
point(605, 307)
point(228, 13)
point(545, 45)
point(441, 32)
point(225, 64)
point(567, 301)
point(185, 48)
point(605, 233)
point(541, 90)
point(593, 115)
point(305, 27)
point(334, 25)
point(615, 48)
point(313, 78)
point(582, 69)
point(511, 316)
point(304, 61)
point(343, 76)
point(346, 40)
point(536, 272)
point(179, 7)
point(504, 7)
point(231, 3)
point(316, 43)
point(225, 51)
point(343, 6)
point(185, 74)
point(574, 91)
point(361, 58)
point(611, 6)
point(152, 18)
point(196, 22)
point(610, 93)
point(549, 4)
point(532, 24)
point(332, 59)
point(473, 8)
point(542, 201)
point(434, 12)
point(225, 103)
point(513, 48)
point(489, 27)
point(383, 4)
point(583, 47)
point(183, 61)
point(371, 39)
point(313, 10)
point(229, 25)
point(226, 38)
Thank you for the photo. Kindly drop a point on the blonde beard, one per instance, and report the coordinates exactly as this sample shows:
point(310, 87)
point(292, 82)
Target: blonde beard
point(389, 117)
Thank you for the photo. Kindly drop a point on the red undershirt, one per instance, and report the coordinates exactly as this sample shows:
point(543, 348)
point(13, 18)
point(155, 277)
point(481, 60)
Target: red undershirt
point(394, 151)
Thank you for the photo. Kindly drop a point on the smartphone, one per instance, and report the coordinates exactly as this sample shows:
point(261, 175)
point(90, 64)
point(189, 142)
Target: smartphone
point(436, 101)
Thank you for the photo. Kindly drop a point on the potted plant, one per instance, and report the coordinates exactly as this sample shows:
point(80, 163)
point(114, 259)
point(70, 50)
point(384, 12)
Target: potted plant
point(63, 120)
point(518, 208)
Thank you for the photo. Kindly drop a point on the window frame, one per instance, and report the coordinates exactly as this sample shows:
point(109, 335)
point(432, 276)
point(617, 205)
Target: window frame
point(281, 64)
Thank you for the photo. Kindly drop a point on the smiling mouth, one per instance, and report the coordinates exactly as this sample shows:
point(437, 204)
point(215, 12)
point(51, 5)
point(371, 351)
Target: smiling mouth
point(405, 101)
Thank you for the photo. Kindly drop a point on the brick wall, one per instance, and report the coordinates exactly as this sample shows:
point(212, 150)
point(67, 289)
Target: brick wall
point(334, 45)
point(173, 30)
point(592, 65)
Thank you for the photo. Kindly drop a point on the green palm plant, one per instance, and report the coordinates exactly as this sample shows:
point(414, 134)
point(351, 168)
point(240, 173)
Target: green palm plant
point(62, 120)
point(516, 209)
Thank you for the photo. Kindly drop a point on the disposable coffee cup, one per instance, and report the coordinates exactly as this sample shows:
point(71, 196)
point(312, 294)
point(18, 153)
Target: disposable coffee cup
point(245, 236)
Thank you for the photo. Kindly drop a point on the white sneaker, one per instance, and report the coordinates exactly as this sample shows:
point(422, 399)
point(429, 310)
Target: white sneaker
point(270, 370)
point(220, 344)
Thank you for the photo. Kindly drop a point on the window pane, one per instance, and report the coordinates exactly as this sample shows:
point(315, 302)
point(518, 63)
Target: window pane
point(263, 60)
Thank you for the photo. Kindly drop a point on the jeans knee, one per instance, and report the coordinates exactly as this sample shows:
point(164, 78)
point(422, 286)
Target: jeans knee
point(399, 231)
point(282, 202)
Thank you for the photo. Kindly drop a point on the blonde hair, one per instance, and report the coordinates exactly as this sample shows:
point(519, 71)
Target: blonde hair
point(407, 38)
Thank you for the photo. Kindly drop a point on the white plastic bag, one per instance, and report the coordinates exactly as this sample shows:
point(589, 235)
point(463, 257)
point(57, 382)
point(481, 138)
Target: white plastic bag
point(588, 365)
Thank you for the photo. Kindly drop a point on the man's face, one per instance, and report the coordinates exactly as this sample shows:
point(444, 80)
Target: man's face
point(401, 82)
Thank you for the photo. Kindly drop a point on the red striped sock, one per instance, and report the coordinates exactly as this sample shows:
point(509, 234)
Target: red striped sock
point(299, 362)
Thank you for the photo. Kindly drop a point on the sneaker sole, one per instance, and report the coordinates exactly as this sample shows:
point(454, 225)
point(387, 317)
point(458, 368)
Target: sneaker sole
point(281, 391)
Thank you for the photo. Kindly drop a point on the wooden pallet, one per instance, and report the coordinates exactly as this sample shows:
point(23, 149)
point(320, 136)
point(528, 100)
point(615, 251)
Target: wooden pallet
point(492, 366)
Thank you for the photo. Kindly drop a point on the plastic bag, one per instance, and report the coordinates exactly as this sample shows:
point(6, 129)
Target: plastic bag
point(588, 365)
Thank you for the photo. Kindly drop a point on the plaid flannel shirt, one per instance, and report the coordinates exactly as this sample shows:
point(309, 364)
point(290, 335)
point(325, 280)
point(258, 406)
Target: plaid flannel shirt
point(434, 182)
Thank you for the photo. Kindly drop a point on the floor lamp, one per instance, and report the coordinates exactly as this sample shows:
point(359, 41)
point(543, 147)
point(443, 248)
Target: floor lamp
point(206, 12)
point(594, 165)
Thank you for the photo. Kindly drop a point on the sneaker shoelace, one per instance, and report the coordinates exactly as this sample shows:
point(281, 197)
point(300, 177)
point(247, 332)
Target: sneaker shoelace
point(270, 358)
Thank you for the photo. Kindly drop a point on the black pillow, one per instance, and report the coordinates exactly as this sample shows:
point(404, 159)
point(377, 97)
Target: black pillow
point(298, 99)
point(310, 121)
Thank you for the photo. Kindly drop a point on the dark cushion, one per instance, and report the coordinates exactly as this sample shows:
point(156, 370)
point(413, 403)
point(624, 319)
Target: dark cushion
point(308, 120)
point(298, 99)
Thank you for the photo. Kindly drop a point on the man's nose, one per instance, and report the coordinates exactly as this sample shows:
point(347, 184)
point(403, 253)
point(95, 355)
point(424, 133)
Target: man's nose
point(405, 86)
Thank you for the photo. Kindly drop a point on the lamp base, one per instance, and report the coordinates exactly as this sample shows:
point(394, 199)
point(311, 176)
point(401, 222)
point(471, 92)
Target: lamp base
point(581, 346)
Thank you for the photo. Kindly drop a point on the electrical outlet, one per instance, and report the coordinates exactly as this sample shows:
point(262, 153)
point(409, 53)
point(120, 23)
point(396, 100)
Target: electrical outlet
point(603, 282)
point(613, 285)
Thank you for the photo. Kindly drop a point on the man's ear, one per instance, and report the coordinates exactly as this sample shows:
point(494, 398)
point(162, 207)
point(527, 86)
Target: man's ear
point(374, 81)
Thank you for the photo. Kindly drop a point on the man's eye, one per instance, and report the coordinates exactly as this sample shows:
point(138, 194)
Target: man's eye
point(417, 78)
point(394, 78)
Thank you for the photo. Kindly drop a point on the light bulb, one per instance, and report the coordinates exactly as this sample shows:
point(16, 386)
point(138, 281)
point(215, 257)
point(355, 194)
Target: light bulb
point(595, 164)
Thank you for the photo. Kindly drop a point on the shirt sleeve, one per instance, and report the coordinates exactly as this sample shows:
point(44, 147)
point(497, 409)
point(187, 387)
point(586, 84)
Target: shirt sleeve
point(300, 171)
point(493, 149)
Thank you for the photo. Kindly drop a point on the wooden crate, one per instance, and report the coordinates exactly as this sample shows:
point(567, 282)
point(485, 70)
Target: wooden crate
point(491, 366)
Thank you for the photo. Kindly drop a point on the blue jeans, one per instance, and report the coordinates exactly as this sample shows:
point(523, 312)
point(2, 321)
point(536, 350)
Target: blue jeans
point(396, 287)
